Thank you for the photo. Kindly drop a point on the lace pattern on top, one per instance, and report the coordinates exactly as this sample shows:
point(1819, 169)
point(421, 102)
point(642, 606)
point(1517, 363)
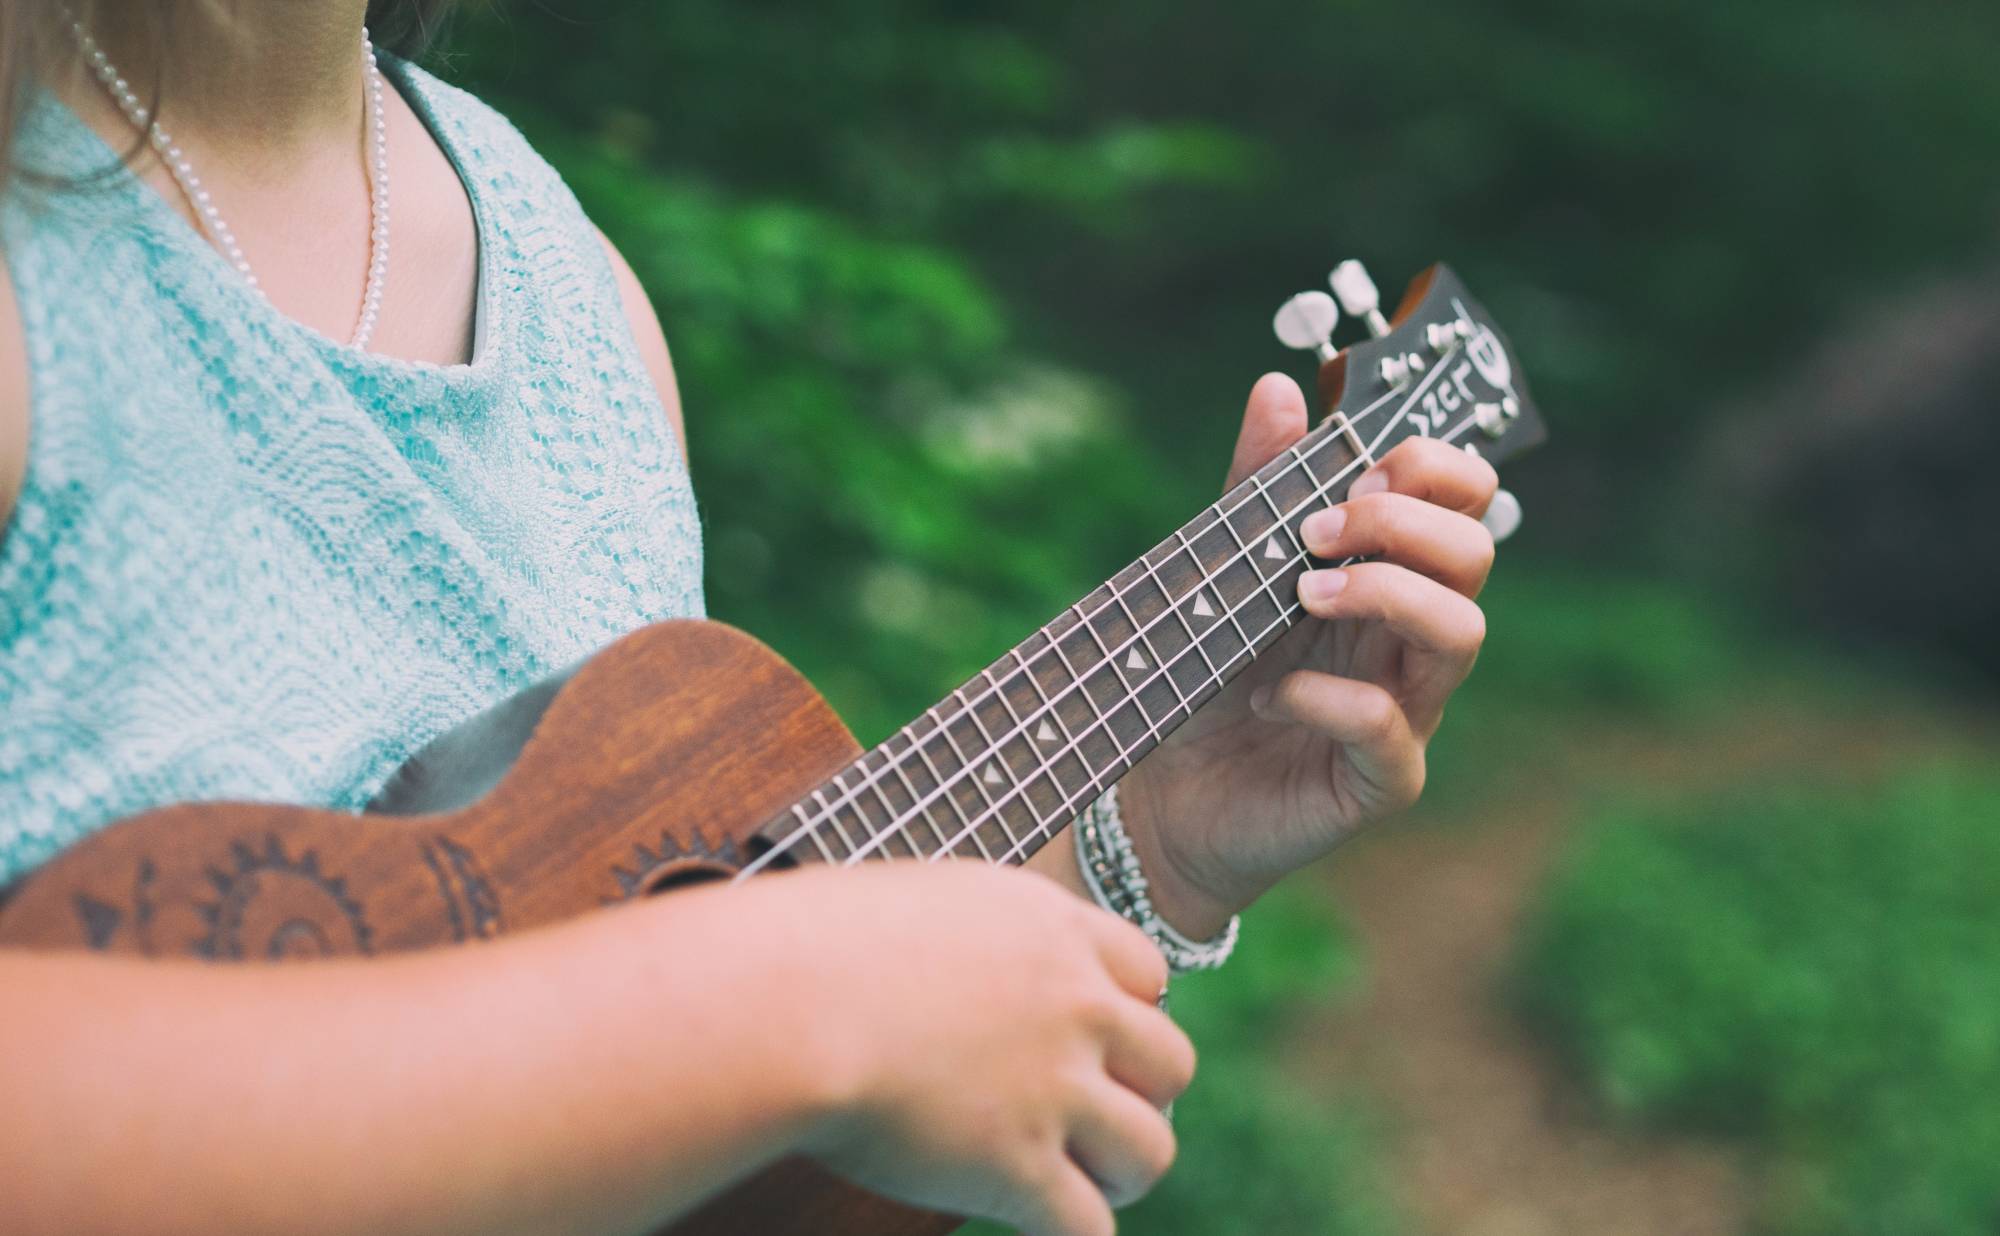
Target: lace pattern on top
point(249, 562)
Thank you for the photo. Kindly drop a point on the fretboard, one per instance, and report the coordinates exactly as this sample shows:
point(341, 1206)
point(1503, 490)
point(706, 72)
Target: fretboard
point(1006, 761)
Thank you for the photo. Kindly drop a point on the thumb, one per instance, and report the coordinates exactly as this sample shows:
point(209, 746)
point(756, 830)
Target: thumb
point(1274, 418)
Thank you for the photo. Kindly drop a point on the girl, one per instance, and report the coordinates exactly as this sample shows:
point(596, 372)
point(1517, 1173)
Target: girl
point(326, 420)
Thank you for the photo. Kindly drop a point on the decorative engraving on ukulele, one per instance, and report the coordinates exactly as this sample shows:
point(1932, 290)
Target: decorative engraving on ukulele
point(1202, 609)
point(1047, 733)
point(99, 919)
point(992, 774)
point(1274, 550)
point(653, 870)
point(468, 895)
point(274, 907)
point(1135, 661)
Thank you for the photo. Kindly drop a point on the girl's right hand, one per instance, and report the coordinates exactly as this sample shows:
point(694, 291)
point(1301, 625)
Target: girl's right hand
point(993, 1042)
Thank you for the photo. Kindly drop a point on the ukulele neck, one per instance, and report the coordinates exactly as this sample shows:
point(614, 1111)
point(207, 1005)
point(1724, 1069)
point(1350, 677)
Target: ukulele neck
point(1006, 761)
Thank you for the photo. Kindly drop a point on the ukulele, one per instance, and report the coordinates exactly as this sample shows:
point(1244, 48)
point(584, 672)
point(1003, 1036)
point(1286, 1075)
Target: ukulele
point(576, 794)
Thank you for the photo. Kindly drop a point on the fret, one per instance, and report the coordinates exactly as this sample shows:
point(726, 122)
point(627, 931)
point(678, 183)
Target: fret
point(1289, 486)
point(930, 786)
point(1187, 664)
point(839, 841)
point(849, 818)
point(1174, 567)
point(1251, 521)
point(1016, 756)
point(811, 831)
point(896, 841)
point(1103, 684)
point(995, 717)
point(902, 789)
point(1078, 644)
point(1246, 590)
point(1281, 575)
point(984, 776)
point(1152, 683)
point(1324, 465)
point(1021, 691)
point(1059, 756)
point(962, 790)
point(1215, 546)
point(1224, 638)
point(1072, 705)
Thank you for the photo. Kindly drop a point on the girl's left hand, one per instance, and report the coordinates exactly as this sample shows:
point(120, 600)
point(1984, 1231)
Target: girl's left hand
point(1325, 732)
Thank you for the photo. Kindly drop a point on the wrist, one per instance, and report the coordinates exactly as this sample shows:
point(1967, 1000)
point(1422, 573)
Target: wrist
point(810, 1056)
point(1196, 904)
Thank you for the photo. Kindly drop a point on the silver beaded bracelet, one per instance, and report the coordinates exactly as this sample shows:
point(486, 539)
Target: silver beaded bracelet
point(1111, 871)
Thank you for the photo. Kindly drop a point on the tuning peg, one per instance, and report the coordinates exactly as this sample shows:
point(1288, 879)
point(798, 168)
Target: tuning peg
point(1306, 322)
point(1503, 515)
point(1358, 295)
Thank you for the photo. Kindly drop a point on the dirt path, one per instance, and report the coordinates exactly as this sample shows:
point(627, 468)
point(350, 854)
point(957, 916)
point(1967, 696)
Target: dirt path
point(1486, 1138)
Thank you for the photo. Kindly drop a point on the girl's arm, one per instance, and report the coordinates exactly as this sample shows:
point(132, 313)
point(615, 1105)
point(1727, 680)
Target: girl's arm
point(959, 1036)
point(580, 1079)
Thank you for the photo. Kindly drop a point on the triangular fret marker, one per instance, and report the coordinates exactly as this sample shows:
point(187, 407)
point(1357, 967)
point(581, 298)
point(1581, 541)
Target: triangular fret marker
point(1271, 548)
point(1135, 661)
point(1046, 734)
point(1201, 607)
point(992, 774)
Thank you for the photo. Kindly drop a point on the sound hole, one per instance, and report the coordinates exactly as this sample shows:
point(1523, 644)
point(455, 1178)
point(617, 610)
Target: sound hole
point(680, 874)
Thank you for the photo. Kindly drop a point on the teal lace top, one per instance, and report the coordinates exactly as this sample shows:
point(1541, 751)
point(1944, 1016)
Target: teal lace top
point(249, 562)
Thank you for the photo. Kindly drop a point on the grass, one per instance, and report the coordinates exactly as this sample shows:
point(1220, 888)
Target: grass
point(1813, 971)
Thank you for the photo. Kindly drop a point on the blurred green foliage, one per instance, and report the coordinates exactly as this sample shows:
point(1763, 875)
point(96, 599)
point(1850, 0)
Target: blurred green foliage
point(1817, 970)
point(965, 299)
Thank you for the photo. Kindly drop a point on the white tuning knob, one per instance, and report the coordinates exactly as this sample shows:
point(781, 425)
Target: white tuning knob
point(1358, 295)
point(1306, 322)
point(1503, 515)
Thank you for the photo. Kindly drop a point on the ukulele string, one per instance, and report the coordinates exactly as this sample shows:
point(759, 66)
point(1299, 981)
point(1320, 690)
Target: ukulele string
point(1098, 780)
point(901, 822)
point(900, 825)
point(1021, 848)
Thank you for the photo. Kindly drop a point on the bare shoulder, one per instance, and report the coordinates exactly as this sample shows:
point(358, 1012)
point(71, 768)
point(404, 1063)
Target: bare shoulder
point(652, 340)
point(13, 399)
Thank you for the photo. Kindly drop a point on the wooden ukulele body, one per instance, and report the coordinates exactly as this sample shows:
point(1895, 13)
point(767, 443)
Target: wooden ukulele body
point(653, 766)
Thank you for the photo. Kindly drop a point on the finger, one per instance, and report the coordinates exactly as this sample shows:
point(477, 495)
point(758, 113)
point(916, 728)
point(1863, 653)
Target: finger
point(1122, 1141)
point(1442, 628)
point(1067, 1203)
point(1434, 471)
point(1448, 546)
point(1148, 1054)
point(1274, 418)
point(1362, 717)
point(1130, 956)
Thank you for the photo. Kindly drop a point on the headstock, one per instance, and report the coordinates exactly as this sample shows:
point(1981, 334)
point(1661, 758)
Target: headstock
point(1438, 366)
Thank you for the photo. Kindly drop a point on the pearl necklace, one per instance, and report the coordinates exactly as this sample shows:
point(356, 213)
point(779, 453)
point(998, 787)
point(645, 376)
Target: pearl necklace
point(203, 205)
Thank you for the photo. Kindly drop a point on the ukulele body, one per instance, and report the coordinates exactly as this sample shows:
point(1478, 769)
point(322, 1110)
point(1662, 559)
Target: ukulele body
point(655, 765)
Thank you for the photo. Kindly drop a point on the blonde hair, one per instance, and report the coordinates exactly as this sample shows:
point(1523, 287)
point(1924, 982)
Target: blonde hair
point(35, 46)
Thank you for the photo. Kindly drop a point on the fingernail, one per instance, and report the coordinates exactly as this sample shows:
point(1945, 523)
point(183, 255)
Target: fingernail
point(1322, 528)
point(1260, 699)
point(1373, 481)
point(1321, 585)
